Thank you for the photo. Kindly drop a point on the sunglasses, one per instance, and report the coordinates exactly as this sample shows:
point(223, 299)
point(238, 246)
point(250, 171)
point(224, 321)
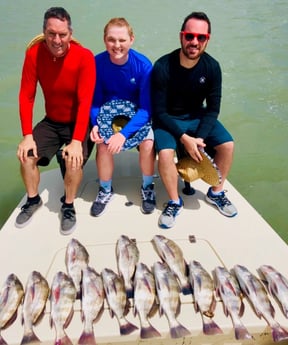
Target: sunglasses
point(189, 36)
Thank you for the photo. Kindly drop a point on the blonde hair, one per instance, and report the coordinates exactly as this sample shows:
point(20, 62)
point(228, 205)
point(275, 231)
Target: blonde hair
point(118, 21)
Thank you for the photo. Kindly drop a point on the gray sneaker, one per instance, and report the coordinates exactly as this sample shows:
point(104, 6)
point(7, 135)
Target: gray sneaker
point(223, 204)
point(27, 211)
point(167, 217)
point(148, 199)
point(68, 220)
point(99, 205)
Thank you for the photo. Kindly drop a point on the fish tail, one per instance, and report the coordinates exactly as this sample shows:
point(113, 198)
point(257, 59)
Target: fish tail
point(279, 333)
point(149, 332)
point(63, 341)
point(179, 331)
point(87, 338)
point(241, 332)
point(210, 327)
point(127, 328)
point(29, 338)
point(2, 341)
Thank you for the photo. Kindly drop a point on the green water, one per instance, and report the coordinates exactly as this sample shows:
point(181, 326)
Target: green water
point(249, 38)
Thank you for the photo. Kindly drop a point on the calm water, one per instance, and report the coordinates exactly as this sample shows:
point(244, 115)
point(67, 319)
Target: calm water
point(249, 40)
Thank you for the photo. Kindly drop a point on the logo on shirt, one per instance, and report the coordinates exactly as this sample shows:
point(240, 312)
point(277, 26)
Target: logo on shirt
point(202, 80)
point(133, 81)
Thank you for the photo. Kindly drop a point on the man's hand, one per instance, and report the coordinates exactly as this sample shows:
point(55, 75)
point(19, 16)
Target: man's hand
point(25, 146)
point(73, 154)
point(192, 146)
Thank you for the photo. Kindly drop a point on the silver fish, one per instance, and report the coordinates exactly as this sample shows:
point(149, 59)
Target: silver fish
point(277, 285)
point(228, 289)
point(168, 292)
point(117, 299)
point(76, 259)
point(62, 297)
point(145, 303)
point(35, 298)
point(204, 297)
point(172, 254)
point(11, 295)
point(258, 297)
point(127, 255)
point(92, 304)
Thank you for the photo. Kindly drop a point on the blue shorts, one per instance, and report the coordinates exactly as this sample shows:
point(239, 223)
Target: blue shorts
point(165, 140)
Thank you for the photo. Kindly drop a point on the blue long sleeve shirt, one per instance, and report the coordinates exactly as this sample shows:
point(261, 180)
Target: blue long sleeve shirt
point(130, 81)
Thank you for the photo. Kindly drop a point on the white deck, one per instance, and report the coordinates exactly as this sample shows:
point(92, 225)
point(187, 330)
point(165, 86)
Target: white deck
point(245, 239)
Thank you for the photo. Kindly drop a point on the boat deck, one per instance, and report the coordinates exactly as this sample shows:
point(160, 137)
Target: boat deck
point(245, 239)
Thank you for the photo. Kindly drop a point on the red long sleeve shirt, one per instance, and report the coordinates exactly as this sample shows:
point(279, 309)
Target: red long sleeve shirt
point(67, 83)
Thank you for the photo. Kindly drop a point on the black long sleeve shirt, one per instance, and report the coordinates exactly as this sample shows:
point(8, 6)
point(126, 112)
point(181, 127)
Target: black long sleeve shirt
point(178, 91)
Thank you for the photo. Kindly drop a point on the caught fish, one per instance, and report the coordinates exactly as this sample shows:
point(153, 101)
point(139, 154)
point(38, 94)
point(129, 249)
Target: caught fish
point(127, 255)
point(62, 297)
point(76, 259)
point(92, 304)
point(145, 304)
point(11, 295)
point(204, 297)
point(258, 297)
point(172, 254)
point(35, 298)
point(117, 300)
point(228, 289)
point(277, 286)
point(168, 292)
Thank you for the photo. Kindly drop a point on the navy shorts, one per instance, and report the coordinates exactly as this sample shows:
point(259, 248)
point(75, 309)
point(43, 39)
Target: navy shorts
point(50, 136)
point(165, 140)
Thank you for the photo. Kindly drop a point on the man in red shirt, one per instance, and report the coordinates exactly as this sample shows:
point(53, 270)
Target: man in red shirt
point(66, 73)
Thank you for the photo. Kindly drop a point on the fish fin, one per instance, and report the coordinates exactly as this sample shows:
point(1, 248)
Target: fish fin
point(242, 308)
point(69, 318)
point(242, 333)
point(101, 311)
point(30, 338)
point(179, 331)
point(149, 332)
point(2, 341)
point(210, 327)
point(127, 328)
point(153, 309)
point(279, 333)
point(87, 338)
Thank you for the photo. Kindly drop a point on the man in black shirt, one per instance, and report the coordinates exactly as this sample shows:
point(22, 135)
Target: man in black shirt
point(186, 96)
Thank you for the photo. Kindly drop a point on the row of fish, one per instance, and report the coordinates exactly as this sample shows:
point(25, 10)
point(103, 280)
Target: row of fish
point(144, 290)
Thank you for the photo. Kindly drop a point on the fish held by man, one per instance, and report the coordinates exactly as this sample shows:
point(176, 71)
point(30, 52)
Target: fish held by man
point(92, 304)
point(172, 254)
point(228, 290)
point(168, 292)
point(11, 296)
point(277, 286)
point(35, 298)
point(76, 259)
point(62, 297)
point(255, 291)
point(204, 297)
point(117, 299)
point(127, 255)
point(145, 302)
